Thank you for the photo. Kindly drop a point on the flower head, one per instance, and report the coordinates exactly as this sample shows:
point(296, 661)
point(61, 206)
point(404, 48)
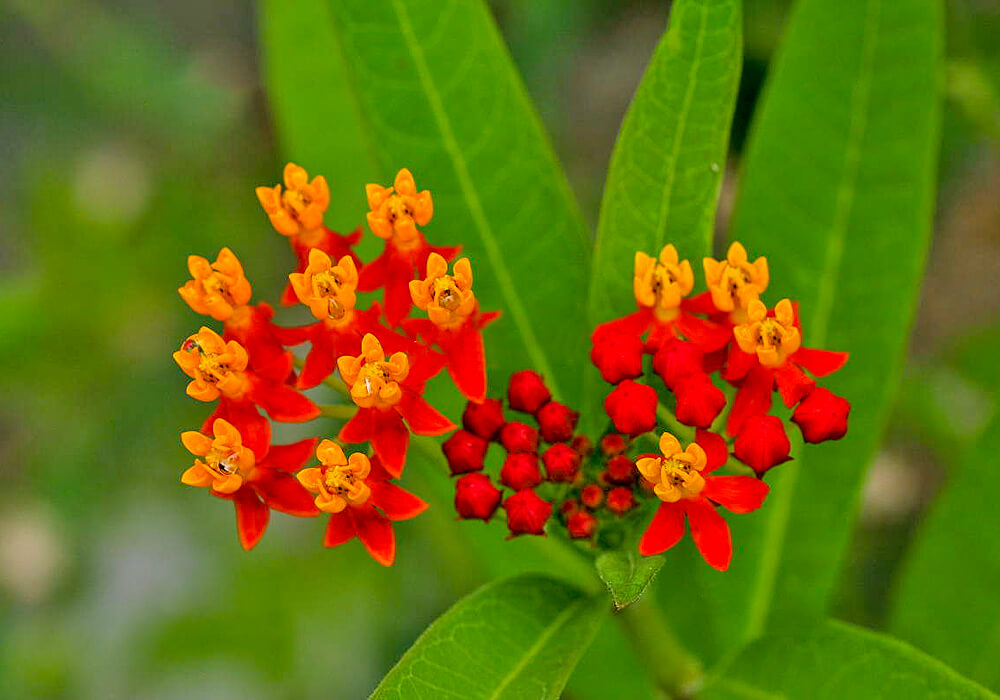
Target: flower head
point(735, 281)
point(339, 481)
point(822, 415)
point(447, 299)
point(771, 338)
point(216, 289)
point(526, 391)
point(216, 367)
point(225, 462)
point(300, 207)
point(476, 498)
point(464, 452)
point(661, 283)
point(374, 381)
point(677, 473)
point(632, 408)
point(396, 211)
point(484, 419)
point(327, 289)
point(527, 513)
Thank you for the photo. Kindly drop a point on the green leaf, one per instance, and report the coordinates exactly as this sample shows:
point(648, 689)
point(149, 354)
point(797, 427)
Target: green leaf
point(627, 575)
point(839, 194)
point(436, 92)
point(836, 660)
point(947, 601)
point(517, 638)
point(666, 170)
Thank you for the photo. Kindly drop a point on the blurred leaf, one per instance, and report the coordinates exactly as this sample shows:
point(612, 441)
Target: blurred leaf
point(610, 668)
point(438, 94)
point(836, 660)
point(839, 194)
point(947, 601)
point(516, 638)
point(627, 576)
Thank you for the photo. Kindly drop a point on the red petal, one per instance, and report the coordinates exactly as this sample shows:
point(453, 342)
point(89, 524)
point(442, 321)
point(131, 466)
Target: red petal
point(738, 364)
point(715, 448)
point(467, 361)
point(661, 333)
point(635, 323)
point(390, 439)
point(258, 335)
point(752, 399)
point(705, 334)
point(251, 517)
point(397, 289)
point(486, 318)
point(290, 458)
point(288, 296)
point(296, 335)
point(665, 531)
point(740, 494)
point(710, 532)
point(284, 492)
point(373, 274)
point(283, 403)
point(375, 533)
point(700, 304)
point(255, 430)
point(340, 529)
point(446, 252)
point(820, 363)
point(321, 360)
point(793, 384)
point(360, 428)
point(423, 418)
point(395, 502)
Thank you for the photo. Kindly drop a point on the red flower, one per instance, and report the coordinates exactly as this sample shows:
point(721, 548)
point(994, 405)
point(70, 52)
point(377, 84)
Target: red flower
point(677, 360)
point(581, 525)
point(592, 496)
point(387, 393)
point(335, 245)
point(682, 480)
point(233, 471)
point(568, 507)
point(616, 354)
point(519, 437)
point(582, 445)
point(465, 452)
point(632, 408)
point(621, 500)
point(762, 443)
point(484, 419)
point(562, 462)
point(613, 444)
point(520, 471)
point(526, 513)
point(556, 422)
point(698, 401)
point(360, 499)
point(620, 470)
point(476, 498)
point(822, 416)
point(527, 392)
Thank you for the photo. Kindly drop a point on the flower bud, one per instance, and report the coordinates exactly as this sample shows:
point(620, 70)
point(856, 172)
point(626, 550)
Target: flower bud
point(621, 500)
point(582, 445)
point(613, 444)
point(465, 452)
point(484, 419)
point(526, 513)
point(556, 422)
point(620, 470)
point(822, 416)
point(475, 497)
point(527, 392)
point(632, 408)
point(592, 496)
point(677, 360)
point(762, 443)
point(698, 401)
point(617, 355)
point(568, 507)
point(562, 462)
point(581, 525)
point(519, 437)
point(520, 471)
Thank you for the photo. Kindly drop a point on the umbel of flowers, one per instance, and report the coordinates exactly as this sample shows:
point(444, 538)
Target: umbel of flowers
point(691, 383)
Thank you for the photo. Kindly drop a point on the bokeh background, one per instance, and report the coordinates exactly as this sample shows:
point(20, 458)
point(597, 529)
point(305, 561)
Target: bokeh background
point(133, 134)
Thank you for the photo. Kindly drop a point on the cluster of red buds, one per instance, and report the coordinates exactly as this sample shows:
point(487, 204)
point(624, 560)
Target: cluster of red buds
point(383, 355)
point(715, 361)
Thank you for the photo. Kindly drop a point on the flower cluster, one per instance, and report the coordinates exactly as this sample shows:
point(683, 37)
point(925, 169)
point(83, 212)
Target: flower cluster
point(384, 358)
point(715, 361)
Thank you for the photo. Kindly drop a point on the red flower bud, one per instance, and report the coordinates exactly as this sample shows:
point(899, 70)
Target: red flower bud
point(568, 507)
point(582, 445)
point(620, 470)
point(762, 443)
point(698, 401)
point(822, 415)
point(519, 437)
point(527, 513)
point(592, 496)
point(475, 497)
point(562, 462)
point(556, 422)
point(613, 444)
point(527, 392)
point(677, 360)
point(520, 471)
point(581, 525)
point(621, 500)
point(464, 452)
point(632, 408)
point(617, 355)
point(484, 419)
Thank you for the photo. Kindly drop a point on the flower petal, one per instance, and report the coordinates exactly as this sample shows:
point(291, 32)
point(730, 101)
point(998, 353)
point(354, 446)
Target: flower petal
point(395, 502)
point(709, 532)
point(664, 531)
point(340, 529)
point(423, 418)
point(251, 517)
point(739, 494)
point(284, 492)
point(375, 533)
point(291, 457)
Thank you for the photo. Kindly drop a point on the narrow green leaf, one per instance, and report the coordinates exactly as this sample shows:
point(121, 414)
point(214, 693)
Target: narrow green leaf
point(627, 575)
point(666, 170)
point(836, 660)
point(947, 602)
point(438, 94)
point(839, 194)
point(517, 638)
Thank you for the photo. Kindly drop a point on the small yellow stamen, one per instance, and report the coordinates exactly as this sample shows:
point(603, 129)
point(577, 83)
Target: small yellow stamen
point(215, 366)
point(772, 339)
point(327, 289)
point(662, 283)
point(736, 282)
point(677, 474)
point(299, 208)
point(447, 299)
point(339, 481)
point(396, 211)
point(373, 380)
point(216, 289)
point(226, 463)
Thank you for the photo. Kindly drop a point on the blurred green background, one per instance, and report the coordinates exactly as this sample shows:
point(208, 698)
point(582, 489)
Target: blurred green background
point(133, 134)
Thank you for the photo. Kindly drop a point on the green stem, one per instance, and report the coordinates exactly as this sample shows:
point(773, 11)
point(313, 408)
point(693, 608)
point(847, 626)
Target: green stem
point(672, 666)
point(672, 424)
point(331, 381)
point(341, 411)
